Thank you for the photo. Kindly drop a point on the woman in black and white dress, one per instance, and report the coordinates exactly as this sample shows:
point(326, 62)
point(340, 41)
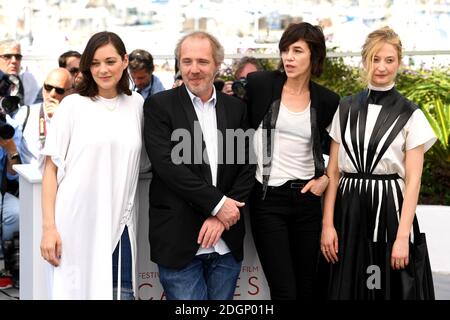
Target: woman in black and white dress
point(376, 158)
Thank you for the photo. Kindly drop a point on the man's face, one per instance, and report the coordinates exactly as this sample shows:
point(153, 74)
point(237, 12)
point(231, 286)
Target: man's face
point(10, 58)
point(248, 68)
point(73, 65)
point(56, 87)
point(197, 66)
point(141, 78)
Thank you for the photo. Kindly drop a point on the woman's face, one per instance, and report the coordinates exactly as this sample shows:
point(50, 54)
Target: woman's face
point(107, 68)
point(385, 66)
point(297, 60)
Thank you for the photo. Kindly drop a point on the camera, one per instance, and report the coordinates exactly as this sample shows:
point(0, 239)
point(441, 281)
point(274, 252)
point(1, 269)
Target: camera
point(238, 87)
point(6, 130)
point(9, 102)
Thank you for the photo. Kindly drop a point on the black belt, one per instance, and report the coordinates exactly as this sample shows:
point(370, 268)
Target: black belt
point(291, 184)
point(297, 185)
point(371, 176)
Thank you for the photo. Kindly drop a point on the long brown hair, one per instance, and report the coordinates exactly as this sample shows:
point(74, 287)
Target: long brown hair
point(87, 86)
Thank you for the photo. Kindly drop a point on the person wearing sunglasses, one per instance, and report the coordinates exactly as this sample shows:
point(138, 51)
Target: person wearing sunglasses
point(10, 63)
point(10, 58)
point(56, 86)
point(10, 85)
point(69, 60)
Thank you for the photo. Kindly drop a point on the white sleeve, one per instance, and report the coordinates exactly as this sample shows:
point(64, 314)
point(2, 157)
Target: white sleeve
point(334, 129)
point(419, 131)
point(58, 137)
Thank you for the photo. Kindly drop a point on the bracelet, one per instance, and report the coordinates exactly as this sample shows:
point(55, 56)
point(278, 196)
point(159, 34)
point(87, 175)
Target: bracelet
point(13, 156)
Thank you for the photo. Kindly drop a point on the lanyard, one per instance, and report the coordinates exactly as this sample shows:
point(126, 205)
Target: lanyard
point(42, 126)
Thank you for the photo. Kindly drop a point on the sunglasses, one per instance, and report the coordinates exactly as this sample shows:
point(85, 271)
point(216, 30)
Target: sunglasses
point(49, 88)
point(9, 56)
point(74, 70)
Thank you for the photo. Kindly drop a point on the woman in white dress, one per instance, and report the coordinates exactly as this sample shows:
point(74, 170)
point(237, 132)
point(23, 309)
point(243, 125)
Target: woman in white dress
point(90, 175)
point(376, 158)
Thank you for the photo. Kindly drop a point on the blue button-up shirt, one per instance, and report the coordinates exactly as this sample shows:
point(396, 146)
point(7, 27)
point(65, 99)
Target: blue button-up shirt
point(154, 86)
point(3, 154)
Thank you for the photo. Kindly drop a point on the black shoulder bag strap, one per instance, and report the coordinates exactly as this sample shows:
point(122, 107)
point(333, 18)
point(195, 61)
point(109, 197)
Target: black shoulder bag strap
point(26, 119)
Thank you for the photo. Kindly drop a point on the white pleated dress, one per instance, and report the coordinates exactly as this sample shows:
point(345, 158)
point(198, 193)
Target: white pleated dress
point(96, 146)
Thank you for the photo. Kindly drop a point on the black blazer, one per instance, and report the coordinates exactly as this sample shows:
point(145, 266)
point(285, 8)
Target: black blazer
point(182, 195)
point(265, 87)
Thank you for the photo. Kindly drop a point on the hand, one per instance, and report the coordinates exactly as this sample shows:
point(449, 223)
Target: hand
point(210, 232)
point(329, 244)
point(177, 83)
point(227, 88)
point(316, 186)
point(51, 246)
point(9, 145)
point(229, 213)
point(50, 106)
point(400, 254)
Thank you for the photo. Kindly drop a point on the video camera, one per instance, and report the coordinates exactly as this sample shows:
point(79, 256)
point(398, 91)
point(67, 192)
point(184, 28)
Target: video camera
point(9, 102)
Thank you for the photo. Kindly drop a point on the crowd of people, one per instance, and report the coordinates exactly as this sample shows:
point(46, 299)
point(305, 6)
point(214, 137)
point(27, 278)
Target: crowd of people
point(103, 116)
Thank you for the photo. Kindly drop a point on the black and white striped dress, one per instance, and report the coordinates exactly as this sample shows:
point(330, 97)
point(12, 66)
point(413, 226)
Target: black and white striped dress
point(374, 129)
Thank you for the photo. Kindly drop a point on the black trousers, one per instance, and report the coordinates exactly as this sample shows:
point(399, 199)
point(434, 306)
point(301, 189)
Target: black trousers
point(286, 227)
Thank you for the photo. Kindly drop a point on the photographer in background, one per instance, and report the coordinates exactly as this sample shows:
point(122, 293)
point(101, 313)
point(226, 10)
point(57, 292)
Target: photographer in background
point(141, 69)
point(69, 60)
point(244, 66)
point(10, 63)
point(10, 137)
point(37, 117)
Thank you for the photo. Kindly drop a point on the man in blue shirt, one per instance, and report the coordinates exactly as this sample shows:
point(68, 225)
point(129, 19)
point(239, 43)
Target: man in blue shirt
point(141, 70)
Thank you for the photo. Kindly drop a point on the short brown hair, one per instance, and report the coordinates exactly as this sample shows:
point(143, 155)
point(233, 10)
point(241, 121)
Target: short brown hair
point(315, 39)
point(243, 62)
point(141, 60)
point(87, 86)
point(374, 41)
point(62, 60)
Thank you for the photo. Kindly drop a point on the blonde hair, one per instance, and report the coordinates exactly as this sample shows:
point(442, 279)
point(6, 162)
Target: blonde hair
point(374, 41)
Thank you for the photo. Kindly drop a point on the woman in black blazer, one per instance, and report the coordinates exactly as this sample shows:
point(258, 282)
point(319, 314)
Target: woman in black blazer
point(290, 113)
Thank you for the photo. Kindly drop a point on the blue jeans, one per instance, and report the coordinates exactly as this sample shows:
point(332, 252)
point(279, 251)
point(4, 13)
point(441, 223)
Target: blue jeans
point(10, 223)
point(126, 273)
point(207, 277)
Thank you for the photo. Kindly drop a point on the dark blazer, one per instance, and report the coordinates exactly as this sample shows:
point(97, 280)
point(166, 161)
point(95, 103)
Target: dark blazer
point(182, 195)
point(265, 87)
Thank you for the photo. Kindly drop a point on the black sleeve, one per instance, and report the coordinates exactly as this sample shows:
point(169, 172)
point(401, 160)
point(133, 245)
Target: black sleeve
point(178, 177)
point(332, 105)
point(246, 178)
